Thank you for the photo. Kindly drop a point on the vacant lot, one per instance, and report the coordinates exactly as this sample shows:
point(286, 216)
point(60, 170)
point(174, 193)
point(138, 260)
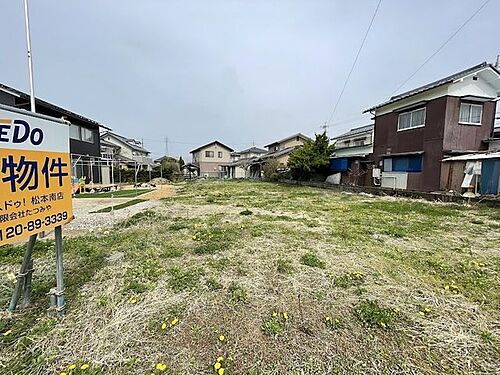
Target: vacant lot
point(273, 280)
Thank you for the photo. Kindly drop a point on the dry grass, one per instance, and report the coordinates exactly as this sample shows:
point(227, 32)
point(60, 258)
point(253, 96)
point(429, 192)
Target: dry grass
point(367, 285)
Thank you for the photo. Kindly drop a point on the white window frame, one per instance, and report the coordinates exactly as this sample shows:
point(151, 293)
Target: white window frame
point(411, 118)
point(470, 114)
point(78, 131)
point(83, 139)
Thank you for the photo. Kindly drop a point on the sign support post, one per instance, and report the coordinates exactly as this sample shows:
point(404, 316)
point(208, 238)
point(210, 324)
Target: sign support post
point(21, 276)
point(59, 271)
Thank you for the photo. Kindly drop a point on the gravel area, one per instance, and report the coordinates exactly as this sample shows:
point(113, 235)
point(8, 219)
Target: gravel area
point(86, 221)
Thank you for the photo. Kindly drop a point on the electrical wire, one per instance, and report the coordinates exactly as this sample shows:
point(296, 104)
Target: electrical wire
point(442, 46)
point(354, 63)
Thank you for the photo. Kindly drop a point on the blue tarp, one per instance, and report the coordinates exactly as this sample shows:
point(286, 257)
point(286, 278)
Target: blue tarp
point(490, 175)
point(339, 165)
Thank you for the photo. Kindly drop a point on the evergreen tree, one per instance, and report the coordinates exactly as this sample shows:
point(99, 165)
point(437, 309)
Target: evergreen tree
point(312, 159)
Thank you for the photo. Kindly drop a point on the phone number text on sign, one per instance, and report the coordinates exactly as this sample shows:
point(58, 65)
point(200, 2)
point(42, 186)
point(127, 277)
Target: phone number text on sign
point(33, 225)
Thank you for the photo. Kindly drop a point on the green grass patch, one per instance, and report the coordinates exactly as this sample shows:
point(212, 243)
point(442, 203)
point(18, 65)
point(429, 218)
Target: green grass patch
point(371, 314)
point(128, 193)
point(284, 266)
point(349, 279)
point(119, 206)
point(182, 280)
point(312, 260)
point(237, 294)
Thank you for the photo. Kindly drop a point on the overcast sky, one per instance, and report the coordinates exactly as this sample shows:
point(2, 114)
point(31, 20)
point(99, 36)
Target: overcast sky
point(237, 71)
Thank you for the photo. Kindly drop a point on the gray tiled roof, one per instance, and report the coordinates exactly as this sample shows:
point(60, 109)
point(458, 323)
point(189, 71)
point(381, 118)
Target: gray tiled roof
point(208, 144)
point(255, 150)
point(53, 107)
point(300, 135)
point(128, 141)
point(434, 84)
point(354, 131)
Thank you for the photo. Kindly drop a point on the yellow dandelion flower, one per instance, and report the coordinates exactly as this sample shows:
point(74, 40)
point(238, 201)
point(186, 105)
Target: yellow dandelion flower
point(328, 318)
point(221, 371)
point(84, 366)
point(427, 309)
point(421, 313)
point(133, 299)
point(397, 309)
point(221, 338)
point(63, 373)
point(285, 315)
point(174, 321)
point(217, 365)
point(164, 326)
point(275, 314)
point(8, 332)
point(220, 359)
point(71, 367)
point(161, 366)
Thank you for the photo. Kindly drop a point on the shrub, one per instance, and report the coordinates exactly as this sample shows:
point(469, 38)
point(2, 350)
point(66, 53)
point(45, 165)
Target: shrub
point(271, 169)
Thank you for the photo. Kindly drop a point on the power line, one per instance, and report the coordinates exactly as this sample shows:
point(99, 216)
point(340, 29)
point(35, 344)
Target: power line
point(354, 63)
point(442, 46)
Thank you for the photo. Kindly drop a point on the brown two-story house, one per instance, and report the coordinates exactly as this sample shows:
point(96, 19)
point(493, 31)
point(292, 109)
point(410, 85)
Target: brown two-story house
point(415, 130)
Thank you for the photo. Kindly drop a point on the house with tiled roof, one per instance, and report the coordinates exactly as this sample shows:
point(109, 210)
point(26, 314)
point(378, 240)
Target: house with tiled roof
point(414, 131)
point(127, 152)
point(353, 156)
point(210, 159)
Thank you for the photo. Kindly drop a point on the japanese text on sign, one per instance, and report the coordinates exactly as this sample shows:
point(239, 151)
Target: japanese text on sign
point(35, 186)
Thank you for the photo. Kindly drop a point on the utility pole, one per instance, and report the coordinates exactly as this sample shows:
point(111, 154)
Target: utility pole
point(325, 126)
point(166, 146)
point(30, 62)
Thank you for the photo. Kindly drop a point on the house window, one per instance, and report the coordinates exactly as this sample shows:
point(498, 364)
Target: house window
point(359, 142)
point(219, 154)
point(87, 135)
point(74, 132)
point(411, 119)
point(470, 113)
point(347, 143)
point(209, 154)
point(403, 164)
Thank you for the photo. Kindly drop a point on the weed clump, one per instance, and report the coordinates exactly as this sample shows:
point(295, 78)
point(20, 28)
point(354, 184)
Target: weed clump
point(213, 284)
point(183, 280)
point(349, 279)
point(213, 238)
point(146, 215)
point(238, 294)
point(284, 266)
point(371, 314)
point(312, 260)
point(276, 324)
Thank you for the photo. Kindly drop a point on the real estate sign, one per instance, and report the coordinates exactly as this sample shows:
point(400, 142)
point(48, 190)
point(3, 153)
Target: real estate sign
point(35, 181)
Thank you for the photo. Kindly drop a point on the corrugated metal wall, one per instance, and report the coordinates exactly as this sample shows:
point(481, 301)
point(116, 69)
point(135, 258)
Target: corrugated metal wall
point(490, 177)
